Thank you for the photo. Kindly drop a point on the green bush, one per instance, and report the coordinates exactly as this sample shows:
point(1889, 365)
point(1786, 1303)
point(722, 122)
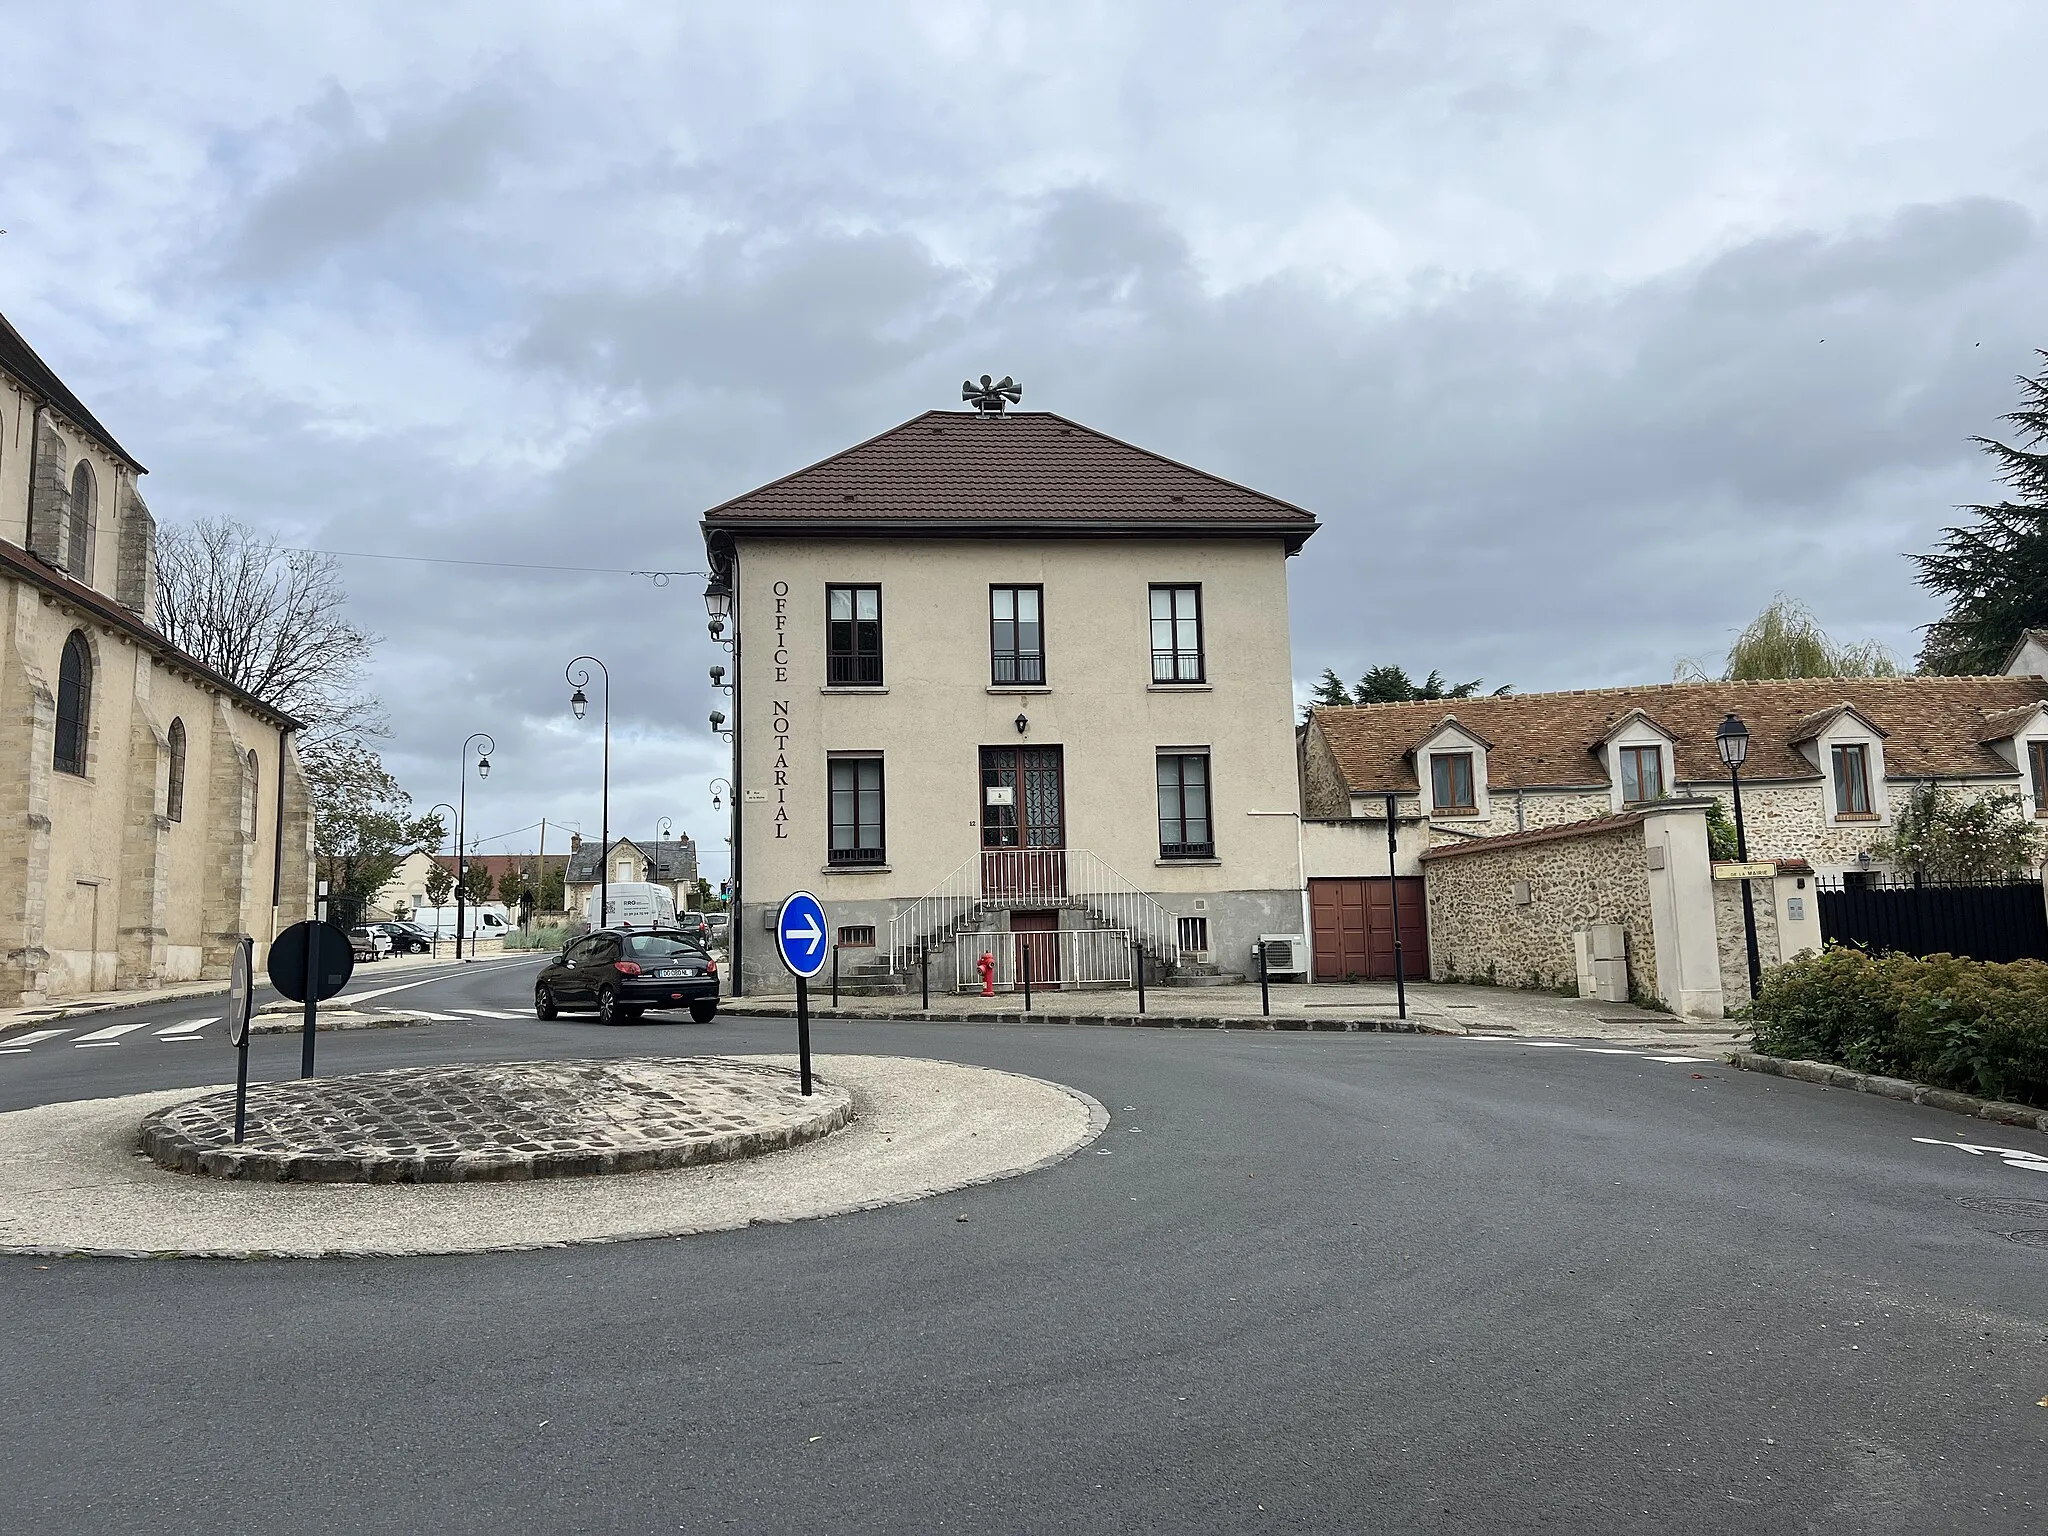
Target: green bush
point(1963, 1024)
point(537, 938)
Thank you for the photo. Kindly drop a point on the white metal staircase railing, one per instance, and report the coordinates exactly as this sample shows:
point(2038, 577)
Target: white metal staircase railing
point(1005, 878)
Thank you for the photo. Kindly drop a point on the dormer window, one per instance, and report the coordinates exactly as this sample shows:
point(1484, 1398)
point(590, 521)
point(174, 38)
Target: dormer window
point(1450, 782)
point(1642, 774)
point(1852, 780)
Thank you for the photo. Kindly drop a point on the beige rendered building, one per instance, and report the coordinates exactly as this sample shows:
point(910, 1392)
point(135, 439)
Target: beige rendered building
point(1007, 685)
point(150, 812)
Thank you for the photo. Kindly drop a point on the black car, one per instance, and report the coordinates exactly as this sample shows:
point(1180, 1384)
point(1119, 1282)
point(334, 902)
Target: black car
point(406, 938)
point(622, 972)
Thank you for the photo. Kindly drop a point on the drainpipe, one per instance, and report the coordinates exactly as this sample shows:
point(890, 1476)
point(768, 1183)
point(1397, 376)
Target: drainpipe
point(1520, 825)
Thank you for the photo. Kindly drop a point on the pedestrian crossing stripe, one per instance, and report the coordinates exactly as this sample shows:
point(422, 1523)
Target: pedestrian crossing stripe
point(34, 1037)
point(110, 1034)
point(491, 1013)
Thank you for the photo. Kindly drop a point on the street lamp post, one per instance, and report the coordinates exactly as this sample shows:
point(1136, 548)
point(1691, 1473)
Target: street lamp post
point(483, 771)
point(580, 703)
point(664, 829)
point(1731, 740)
point(718, 607)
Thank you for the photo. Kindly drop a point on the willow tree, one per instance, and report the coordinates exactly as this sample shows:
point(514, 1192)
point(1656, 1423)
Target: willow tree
point(1786, 640)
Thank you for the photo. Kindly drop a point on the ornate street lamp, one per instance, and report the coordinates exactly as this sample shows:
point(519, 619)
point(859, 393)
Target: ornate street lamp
point(718, 604)
point(484, 748)
point(578, 677)
point(1731, 740)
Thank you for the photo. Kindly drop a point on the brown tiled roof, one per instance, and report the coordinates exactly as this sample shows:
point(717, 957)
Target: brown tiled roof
point(1586, 828)
point(2001, 725)
point(18, 562)
point(1024, 470)
point(18, 358)
point(1543, 740)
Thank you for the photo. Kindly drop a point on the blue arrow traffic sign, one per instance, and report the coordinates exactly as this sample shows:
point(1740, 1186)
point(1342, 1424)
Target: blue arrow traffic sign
point(800, 934)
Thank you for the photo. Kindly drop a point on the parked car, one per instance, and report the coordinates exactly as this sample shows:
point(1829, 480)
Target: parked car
point(406, 938)
point(721, 926)
point(619, 973)
point(369, 944)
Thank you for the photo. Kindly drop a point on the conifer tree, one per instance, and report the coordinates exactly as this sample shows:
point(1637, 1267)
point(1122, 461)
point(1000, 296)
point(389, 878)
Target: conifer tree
point(1994, 571)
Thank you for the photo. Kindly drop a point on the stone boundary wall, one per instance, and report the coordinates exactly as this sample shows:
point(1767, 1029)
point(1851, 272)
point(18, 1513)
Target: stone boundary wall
point(1478, 931)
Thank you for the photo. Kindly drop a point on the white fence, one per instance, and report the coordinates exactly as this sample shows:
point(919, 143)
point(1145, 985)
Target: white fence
point(1062, 959)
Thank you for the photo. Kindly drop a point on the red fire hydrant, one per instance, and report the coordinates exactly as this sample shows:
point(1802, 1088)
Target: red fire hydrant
point(987, 966)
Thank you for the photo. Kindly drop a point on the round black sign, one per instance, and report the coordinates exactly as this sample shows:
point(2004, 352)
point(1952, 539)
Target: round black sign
point(288, 960)
point(240, 990)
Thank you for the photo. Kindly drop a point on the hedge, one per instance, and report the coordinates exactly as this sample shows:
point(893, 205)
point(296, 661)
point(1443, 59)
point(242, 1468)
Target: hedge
point(1970, 1025)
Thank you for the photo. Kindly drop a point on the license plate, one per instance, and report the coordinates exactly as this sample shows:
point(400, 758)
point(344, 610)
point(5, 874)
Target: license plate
point(674, 975)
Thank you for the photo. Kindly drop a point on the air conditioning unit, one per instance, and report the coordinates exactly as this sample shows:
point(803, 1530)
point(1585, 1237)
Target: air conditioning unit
point(1286, 954)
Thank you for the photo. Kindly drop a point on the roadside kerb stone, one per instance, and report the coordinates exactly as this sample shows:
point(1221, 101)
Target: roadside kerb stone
point(501, 1120)
point(1828, 1075)
point(72, 1180)
point(294, 1022)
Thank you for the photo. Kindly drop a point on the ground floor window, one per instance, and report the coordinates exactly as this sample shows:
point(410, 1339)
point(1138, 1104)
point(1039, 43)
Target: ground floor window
point(856, 811)
point(857, 936)
point(1184, 829)
point(1194, 935)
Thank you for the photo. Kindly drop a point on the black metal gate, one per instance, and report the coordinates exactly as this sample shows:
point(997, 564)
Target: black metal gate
point(1983, 922)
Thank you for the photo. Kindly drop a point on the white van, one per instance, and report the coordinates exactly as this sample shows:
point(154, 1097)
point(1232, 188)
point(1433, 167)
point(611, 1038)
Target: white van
point(638, 902)
point(488, 921)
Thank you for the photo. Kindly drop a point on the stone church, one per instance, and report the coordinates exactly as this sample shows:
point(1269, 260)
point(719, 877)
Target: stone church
point(150, 811)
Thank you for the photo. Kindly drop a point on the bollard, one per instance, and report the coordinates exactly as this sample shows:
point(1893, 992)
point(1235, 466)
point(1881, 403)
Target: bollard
point(924, 980)
point(1265, 996)
point(835, 975)
point(1024, 958)
point(1138, 966)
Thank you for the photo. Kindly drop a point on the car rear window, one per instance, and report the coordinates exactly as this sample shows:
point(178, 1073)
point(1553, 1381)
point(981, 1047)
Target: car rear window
point(661, 946)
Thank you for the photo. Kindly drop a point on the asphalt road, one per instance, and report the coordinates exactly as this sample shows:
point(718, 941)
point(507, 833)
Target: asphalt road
point(1304, 1282)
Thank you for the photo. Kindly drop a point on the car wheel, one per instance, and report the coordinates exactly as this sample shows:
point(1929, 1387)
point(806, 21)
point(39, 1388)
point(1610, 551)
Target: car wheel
point(544, 1002)
point(703, 1013)
point(608, 1009)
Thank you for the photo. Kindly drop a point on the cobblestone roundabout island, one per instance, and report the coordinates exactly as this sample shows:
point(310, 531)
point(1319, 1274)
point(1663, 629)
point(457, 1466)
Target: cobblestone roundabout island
point(501, 1122)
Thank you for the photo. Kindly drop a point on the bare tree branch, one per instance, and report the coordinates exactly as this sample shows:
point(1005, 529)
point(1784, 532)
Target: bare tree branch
point(271, 621)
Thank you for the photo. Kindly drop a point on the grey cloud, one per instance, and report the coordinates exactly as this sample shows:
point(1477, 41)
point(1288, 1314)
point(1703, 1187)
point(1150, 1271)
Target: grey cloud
point(357, 188)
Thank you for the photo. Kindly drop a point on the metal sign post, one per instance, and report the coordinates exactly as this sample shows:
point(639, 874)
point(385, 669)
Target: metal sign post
point(800, 929)
point(241, 997)
point(1394, 896)
point(308, 962)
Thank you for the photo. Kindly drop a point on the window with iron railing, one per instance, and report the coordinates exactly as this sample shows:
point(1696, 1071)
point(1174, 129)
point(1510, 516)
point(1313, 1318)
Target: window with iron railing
point(856, 811)
point(1177, 635)
point(1016, 635)
point(1184, 827)
point(853, 637)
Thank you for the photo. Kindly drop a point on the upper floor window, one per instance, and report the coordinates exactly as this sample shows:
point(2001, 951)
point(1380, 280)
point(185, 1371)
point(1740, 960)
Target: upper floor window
point(853, 637)
point(1852, 780)
point(84, 511)
point(1177, 635)
point(1184, 825)
point(174, 801)
point(1642, 774)
point(74, 704)
point(2037, 762)
point(1016, 636)
point(1450, 782)
point(856, 811)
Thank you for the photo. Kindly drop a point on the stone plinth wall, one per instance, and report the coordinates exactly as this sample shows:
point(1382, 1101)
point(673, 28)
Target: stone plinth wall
point(1734, 946)
point(1479, 931)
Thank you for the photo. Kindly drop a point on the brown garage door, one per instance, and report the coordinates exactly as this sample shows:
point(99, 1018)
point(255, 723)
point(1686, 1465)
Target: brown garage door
point(1353, 922)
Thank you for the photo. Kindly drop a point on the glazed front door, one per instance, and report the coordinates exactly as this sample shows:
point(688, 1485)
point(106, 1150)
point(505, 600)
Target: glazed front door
point(1023, 824)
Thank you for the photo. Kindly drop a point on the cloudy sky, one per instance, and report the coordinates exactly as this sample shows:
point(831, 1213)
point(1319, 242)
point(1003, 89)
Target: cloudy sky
point(1585, 327)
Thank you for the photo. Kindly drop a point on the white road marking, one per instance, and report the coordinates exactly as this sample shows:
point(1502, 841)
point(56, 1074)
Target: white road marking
point(110, 1034)
point(2013, 1157)
point(1554, 1045)
point(92, 1045)
point(1603, 1050)
point(1675, 1059)
point(491, 1013)
point(428, 981)
point(34, 1037)
point(420, 1013)
point(13, 1050)
point(184, 1031)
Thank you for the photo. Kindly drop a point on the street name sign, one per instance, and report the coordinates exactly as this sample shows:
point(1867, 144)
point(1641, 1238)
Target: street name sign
point(1755, 869)
point(800, 935)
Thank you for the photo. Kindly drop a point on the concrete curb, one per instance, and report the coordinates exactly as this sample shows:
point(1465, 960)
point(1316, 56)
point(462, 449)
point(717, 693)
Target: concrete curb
point(1409, 1026)
point(295, 1023)
point(72, 1184)
point(1827, 1076)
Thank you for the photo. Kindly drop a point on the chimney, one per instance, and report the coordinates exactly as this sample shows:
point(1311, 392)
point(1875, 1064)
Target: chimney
point(575, 842)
